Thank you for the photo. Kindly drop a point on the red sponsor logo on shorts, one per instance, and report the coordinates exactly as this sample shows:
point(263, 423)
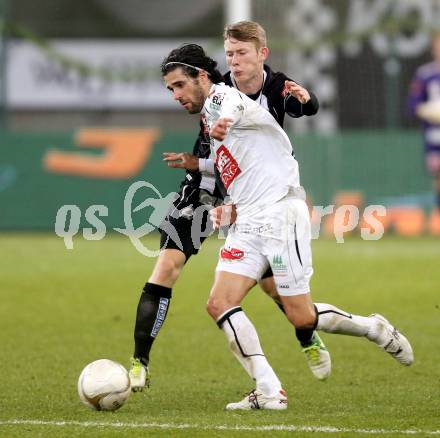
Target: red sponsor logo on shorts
point(231, 254)
point(227, 166)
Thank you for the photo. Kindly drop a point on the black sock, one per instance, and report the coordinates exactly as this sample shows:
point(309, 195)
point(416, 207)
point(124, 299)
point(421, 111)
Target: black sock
point(305, 336)
point(150, 316)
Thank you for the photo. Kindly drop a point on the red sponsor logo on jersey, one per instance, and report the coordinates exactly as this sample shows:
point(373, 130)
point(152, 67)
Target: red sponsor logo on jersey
point(231, 254)
point(227, 166)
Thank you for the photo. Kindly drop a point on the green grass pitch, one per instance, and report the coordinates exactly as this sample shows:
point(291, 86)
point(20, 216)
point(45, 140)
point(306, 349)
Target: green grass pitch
point(61, 309)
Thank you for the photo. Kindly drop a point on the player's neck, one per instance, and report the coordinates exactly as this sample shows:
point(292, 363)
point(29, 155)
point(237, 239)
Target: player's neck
point(252, 86)
point(206, 88)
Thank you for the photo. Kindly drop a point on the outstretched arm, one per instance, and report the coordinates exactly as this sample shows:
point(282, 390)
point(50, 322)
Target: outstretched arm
point(298, 101)
point(192, 162)
point(185, 160)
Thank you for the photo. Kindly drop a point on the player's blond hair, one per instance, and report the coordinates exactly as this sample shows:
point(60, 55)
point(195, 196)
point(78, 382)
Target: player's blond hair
point(248, 31)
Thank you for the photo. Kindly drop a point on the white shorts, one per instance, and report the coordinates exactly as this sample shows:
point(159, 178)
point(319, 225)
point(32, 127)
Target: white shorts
point(278, 236)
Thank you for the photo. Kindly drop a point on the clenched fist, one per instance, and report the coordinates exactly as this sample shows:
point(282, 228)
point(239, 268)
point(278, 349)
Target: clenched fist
point(220, 128)
point(223, 215)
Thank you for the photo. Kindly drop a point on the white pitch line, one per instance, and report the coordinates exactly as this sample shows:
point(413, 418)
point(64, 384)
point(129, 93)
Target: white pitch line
point(169, 426)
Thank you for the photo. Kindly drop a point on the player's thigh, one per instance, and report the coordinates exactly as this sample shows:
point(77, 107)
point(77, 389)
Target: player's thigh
point(299, 309)
point(228, 291)
point(269, 287)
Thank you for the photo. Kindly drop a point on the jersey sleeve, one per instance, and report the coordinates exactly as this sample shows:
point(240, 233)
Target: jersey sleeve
point(292, 106)
point(232, 106)
point(202, 147)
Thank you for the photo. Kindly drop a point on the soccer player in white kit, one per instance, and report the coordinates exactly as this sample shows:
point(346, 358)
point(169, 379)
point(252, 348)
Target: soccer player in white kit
point(254, 157)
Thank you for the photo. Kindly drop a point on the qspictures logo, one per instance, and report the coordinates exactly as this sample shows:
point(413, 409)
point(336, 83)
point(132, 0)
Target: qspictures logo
point(164, 210)
point(69, 216)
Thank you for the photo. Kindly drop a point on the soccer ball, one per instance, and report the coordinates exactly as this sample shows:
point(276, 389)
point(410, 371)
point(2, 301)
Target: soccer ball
point(104, 385)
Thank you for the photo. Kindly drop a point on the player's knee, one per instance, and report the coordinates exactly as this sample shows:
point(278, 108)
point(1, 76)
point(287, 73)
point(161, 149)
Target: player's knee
point(211, 307)
point(216, 306)
point(305, 322)
point(305, 318)
point(167, 270)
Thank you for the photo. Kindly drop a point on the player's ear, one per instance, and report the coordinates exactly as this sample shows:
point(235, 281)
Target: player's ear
point(264, 53)
point(203, 75)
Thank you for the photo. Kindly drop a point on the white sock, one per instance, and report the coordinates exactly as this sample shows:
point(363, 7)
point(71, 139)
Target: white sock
point(244, 361)
point(245, 345)
point(334, 320)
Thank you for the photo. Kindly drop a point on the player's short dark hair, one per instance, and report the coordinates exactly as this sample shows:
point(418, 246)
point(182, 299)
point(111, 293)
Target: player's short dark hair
point(191, 58)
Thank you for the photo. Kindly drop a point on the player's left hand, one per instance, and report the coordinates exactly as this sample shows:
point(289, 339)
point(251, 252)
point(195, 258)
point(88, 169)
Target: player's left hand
point(181, 160)
point(295, 90)
point(220, 128)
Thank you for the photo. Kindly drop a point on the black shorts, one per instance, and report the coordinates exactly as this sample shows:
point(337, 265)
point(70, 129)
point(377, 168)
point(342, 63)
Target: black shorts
point(187, 224)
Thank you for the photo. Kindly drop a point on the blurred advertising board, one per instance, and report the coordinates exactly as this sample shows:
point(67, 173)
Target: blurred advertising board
point(90, 74)
point(41, 173)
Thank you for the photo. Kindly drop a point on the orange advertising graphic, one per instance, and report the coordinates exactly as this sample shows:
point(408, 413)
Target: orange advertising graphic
point(125, 152)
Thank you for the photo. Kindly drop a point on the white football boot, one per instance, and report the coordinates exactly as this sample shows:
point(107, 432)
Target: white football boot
point(257, 400)
point(139, 375)
point(318, 358)
point(389, 339)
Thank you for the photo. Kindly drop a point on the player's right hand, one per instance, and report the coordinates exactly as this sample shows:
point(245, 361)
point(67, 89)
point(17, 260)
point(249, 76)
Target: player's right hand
point(220, 128)
point(223, 215)
point(296, 91)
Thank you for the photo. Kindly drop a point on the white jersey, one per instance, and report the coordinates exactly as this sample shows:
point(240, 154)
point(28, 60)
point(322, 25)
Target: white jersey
point(255, 159)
